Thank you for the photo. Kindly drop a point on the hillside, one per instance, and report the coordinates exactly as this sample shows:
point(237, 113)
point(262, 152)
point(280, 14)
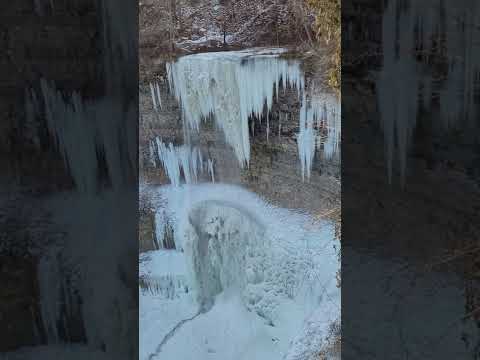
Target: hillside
point(171, 28)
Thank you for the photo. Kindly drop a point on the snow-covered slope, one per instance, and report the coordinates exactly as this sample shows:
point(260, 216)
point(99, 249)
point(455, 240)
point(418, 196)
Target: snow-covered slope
point(248, 281)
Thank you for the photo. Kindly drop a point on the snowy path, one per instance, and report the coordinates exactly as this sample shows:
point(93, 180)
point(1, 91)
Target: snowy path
point(170, 335)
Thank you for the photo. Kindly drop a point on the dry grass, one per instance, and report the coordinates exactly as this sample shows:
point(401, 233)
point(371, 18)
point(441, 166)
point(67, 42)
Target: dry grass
point(328, 31)
point(333, 348)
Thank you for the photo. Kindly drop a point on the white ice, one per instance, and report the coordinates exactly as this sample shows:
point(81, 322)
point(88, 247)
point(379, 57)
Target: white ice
point(261, 275)
point(180, 159)
point(231, 86)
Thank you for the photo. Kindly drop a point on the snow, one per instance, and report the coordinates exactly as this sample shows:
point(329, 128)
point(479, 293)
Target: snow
point(260, 275)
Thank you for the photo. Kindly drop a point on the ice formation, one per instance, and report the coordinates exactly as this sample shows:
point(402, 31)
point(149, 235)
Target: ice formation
point(156, 97)
point(406, 85)
point(210, 170)
point(247, 256)
point(87, 135)
point(320, 129)
point(70, 116)
point(230, 243)
point(223, 241)
point(397, 87)
point(231, 86)
point(177, 160)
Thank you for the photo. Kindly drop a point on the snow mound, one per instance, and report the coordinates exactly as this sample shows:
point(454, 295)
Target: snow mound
point(238, 252)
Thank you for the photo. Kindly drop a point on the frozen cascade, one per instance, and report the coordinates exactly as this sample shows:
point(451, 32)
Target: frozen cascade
point(219, 252)
point(178, 159)
point(397, 97)
point(159, 97)
point(405, 84)
point(266, 255)
point(231, 86)
point(320, 127)
point(155, 94)
point(70, 284)
point(152, 93)
point(210, 170)
point(67, 117)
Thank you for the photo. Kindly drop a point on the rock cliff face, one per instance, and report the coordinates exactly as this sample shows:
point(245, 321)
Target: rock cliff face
point(274, 166)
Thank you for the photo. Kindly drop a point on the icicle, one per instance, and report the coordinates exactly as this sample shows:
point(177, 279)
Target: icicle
point(158, 95)
point(268, 128)
point(309, 139)
point(48, 280)
point(397, 85)
point(176, 159)
point(159, 228)
point(200, 158)
point(152, 91)
point(210, 170)
point(152, 154)
point(232, 87)
point(280, 125)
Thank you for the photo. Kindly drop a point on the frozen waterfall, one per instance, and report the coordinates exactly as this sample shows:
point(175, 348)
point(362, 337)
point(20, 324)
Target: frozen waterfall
point(234, 86)
point(265, 254)
point(407, 86)
point(231, 86)
point(156, 98)
point(179, 160)
point(320, 128)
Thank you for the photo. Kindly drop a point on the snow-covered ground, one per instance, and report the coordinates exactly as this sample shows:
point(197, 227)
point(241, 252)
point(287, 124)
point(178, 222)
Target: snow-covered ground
point(248, 280)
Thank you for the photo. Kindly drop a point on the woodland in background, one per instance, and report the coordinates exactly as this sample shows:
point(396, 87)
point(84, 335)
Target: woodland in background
point(310, 27)
point(327, 26)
